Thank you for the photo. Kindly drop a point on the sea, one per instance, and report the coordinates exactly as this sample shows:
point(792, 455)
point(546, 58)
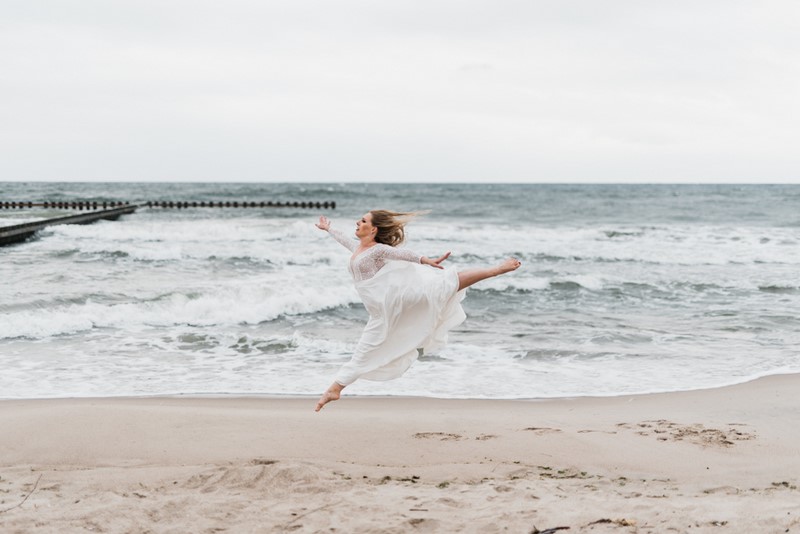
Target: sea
point(623, 289)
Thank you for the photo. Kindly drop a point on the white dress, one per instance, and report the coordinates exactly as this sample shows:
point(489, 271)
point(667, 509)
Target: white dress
point(411, 308)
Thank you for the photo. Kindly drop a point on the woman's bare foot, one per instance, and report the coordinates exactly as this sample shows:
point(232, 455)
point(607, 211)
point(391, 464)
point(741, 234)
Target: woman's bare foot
point(510, 264)
point(333, 393)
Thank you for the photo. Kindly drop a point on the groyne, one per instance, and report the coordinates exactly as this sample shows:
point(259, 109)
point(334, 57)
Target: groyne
point(110, 210)
point(21, 232)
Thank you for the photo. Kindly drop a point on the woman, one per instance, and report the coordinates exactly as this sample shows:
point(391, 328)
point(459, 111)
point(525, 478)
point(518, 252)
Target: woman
point(411, 305)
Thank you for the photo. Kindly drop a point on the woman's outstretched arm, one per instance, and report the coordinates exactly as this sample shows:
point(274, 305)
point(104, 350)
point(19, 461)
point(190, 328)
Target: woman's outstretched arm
point(393, 253)
point(325, 224)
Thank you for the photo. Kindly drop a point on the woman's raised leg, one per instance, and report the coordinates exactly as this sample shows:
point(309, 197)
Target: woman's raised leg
point(472, 276)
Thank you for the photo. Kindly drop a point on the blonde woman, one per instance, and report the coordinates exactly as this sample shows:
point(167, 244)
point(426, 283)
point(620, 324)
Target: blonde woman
point(411, 299)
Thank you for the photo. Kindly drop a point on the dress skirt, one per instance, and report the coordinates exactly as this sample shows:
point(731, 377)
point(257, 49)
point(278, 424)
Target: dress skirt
point(411, 309)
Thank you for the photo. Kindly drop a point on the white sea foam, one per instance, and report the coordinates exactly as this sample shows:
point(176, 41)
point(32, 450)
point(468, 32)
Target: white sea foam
point(182, 240)
point(278, 242)
point(230, 304)
point(461, 371)
point(673, 245)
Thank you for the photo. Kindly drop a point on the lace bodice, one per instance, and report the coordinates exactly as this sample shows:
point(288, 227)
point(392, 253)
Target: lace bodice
point(367, 263)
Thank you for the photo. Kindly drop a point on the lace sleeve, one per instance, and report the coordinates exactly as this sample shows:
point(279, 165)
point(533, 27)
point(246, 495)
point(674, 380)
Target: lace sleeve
point(351, 244)
point(393, 253)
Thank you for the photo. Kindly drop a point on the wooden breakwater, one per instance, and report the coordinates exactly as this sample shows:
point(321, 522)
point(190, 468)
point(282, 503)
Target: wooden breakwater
point(111, 210)
point(74, 205)
point(21, 232)
point(238, 204)
point(176, 204)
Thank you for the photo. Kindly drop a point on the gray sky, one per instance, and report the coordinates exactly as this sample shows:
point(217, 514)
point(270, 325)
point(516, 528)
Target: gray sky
point(507, 91)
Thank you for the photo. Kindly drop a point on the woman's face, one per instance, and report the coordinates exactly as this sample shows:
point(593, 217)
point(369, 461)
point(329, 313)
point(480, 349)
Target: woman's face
point(364, 226)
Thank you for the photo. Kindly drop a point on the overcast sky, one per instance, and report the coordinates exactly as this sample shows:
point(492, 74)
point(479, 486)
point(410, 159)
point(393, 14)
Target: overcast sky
point(465, 91)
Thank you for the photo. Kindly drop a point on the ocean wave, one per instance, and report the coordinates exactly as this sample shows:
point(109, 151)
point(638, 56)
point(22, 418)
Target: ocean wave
point(152, 237)
point(525, 284)
point(780, 289)
point(667, 245)
point(288, 345)
point(638, 284)
point(552, 355)
point(250, 240)
point(243, 304)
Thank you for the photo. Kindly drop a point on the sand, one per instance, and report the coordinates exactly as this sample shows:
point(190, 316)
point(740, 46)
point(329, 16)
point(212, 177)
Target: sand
point(722, 460)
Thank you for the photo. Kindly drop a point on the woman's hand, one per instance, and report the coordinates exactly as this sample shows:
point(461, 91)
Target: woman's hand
point(324, 223)
point(436, 262)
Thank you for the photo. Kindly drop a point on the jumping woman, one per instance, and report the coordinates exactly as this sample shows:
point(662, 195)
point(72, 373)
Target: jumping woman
point(412, 300)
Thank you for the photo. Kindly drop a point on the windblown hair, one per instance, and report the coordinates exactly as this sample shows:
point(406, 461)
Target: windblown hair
point(391, 225)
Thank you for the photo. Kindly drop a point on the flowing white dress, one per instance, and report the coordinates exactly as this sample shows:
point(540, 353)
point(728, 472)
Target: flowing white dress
point(411, 309)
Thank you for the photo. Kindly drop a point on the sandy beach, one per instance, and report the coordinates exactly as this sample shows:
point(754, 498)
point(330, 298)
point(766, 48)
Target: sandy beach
point(722, 460)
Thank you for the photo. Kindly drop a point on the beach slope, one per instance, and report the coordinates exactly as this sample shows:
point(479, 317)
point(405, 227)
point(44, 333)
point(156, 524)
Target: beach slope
point(722, 460)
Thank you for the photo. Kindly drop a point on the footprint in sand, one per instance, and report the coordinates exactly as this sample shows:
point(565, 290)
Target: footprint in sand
point(697, 433)
point(541, 430)
point(441, 436)
point(424, 523)
point(724, 490)
point(263, 461)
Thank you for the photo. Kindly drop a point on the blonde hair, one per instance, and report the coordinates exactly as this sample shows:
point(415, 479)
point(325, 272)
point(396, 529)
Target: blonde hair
point(391, 225)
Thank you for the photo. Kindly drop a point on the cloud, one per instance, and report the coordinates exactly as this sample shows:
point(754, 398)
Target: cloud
point(356, 90)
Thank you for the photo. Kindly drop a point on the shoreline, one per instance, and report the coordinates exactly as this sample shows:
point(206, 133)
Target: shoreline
point(716, 460)
point(315, 396)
